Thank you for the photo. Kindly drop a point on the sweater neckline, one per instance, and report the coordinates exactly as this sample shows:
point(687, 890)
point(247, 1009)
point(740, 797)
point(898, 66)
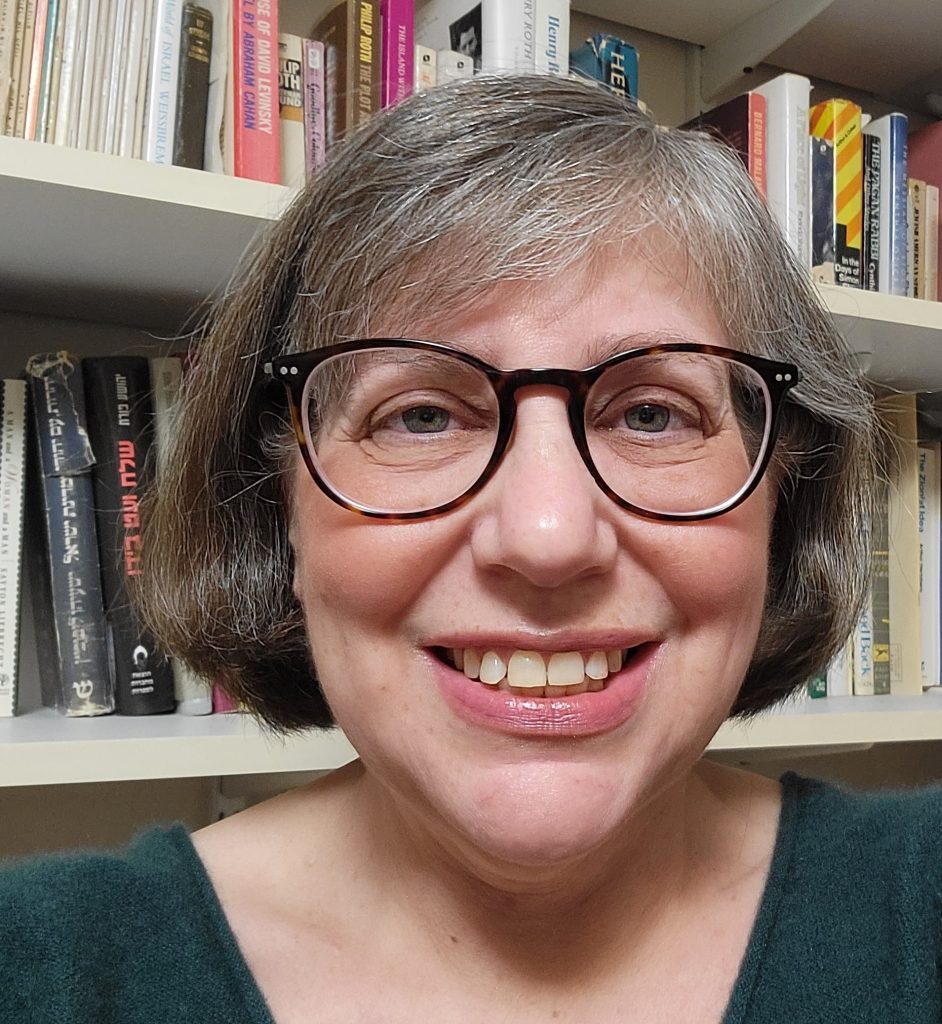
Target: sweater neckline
point(769, 905)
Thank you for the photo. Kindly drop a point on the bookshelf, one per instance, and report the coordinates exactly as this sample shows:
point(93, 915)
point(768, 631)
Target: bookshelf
point(102, 242)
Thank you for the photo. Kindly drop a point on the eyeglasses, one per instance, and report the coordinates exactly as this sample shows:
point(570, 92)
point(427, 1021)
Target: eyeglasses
point(398, 429)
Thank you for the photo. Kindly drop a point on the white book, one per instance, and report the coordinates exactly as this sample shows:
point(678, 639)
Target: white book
point(930, 522)
point(162, 83)
point(140, 89)
point(55, 69)
point(891, 131)
point(193, 694)
point(7, 44)
point(788, 159)
point(71, 71)
point(124, 144)
point(449, 65)
point(930, 253)
point(114, 94)
point(498, 34)
point(84, 98)
point(12, 490)
point(551, 48)
point(291, 108)
point(840, 674)
point(426, 68)
point(99, 32)
point(862, 646)
point(214, 156)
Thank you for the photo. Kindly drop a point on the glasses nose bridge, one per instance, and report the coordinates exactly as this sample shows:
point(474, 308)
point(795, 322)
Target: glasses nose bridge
point(573, 382)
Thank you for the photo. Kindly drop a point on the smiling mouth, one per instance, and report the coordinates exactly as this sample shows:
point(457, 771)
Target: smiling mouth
point(534, 674)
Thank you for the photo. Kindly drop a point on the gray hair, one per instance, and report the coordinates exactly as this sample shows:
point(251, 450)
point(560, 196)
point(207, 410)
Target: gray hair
point(448, 194)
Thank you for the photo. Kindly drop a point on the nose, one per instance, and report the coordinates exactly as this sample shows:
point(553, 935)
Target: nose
point(542, 516)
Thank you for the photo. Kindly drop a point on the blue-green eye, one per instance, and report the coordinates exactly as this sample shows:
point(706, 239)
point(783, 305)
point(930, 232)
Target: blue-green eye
point(425, 419)
point(649, 418)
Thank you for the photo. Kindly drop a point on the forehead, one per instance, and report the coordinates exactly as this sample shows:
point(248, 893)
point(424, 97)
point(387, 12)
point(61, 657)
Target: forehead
point(575, 319)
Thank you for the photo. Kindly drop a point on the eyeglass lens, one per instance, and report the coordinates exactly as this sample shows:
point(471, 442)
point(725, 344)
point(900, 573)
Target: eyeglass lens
point(405, 430)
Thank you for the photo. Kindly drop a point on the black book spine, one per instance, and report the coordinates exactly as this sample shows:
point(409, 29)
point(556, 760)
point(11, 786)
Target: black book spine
point(193, 87)
point(872, 199)
point(120, 427)
point(62, 544)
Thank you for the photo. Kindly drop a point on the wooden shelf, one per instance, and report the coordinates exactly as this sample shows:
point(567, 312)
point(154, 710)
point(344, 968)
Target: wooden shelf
point(44, 748)
point(105, 238)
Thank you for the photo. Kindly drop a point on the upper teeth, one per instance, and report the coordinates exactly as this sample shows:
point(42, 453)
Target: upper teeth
point(532, 670)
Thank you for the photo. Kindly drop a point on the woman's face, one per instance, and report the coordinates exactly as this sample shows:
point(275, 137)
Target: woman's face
point(540, 560)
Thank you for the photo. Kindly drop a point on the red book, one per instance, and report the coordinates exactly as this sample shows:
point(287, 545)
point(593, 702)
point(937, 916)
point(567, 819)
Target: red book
point(256, 136)
point(741, 124)
point(925, 161)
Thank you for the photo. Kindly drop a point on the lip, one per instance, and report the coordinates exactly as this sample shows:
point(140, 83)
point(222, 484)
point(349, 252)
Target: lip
point(585, 714)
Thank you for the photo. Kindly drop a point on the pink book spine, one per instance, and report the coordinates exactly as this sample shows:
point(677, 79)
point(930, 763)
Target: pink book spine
point(398, 50)
point(256, 134)
point(314, 105)
point(36, 71)
point(223, 704)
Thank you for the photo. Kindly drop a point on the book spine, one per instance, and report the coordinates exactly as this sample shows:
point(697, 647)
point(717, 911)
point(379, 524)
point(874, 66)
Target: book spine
point(880, 592)
point(364, 86)
point(45, 74)
point(894, 215)
point(930, 519)
point(758, 115)
point(398, 50)
point(26, 58)
point(872, 204)
point(120, 423)
point(840, 679)
point(315, 150)
point(192, 694)
point(256, 141)
point(196, 40)
point(863, 653)
point(931, 243)
point(140, 87)
point(16, 63)
point(12, 492)
point(113, 84)
point(917, 211)
point(426, 68)
point(508, 33)
point(34, 89)
point(73, 56)
point(68, 607)
point(130, 80)
point(8, 15)
point(162, 84)
point(835, 124)
point(551, 47)
point(788, 169)
point(291, 108)
point(79, 135)
point(65, 14)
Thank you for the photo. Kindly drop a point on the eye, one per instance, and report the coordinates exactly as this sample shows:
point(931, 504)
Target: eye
point(425, 419)
point(648, 417)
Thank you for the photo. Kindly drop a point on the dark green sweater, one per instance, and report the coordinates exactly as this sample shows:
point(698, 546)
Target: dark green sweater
point(849, 929)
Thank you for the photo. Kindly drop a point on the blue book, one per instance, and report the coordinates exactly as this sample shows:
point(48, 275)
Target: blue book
point(609, 60)
point(892, 131)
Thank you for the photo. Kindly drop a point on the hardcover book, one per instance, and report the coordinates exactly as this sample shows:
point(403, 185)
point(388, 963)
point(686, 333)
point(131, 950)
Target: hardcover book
point(498, 34)
point(315, 142)
point(291, 107)
point(609, 60)
point(350, 32)
point(925, 163)
point(890, 132)
point(162, 83)
point(741, 123)
point(120, 424)
point(12, 491)
point(871, 256)
point(788, 159)
point(256, 139)
point(196, 41)
point(62, 543)
point(397, 50)
point(837, 190)
point(551, 47)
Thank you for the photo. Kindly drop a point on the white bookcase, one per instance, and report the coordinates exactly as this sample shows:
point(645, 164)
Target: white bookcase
point(100, 253)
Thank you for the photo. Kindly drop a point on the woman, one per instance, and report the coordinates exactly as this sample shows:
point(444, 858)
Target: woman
point(529, 596)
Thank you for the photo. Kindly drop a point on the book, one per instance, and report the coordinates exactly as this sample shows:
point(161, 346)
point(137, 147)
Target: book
point(291, 108)
point(903, 568)
point(917, 212)
point(315, 142)
point(426, 68)
point(196, 40)
point(891, 134)
point(788, 159)
point(551, 46)
point(62, 542)
point(925, 160)
point(498, 34)
point(12, 494)
point(930, 558)
point(397, 50)
point(85, 99)
point(450, 65)
point(740, 123)
point(50, 107)
point(880, 591)
point(22, 40)
point(840, 678)
point(870, 256)
point(130, 107)
point(609, 60)
point(837, 191)
point(140, 86)
point(216, 148)
point(34, 80)
point(862, 658)
point(192, 694)
point(162, 81)
point(120, 426)
point(8, 14)
point(70, 74)
point(930, 245)
point(256, 141)
point(350, 34)
point(115, 57)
